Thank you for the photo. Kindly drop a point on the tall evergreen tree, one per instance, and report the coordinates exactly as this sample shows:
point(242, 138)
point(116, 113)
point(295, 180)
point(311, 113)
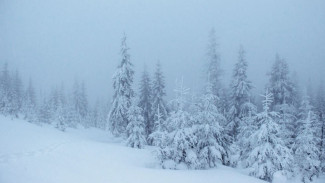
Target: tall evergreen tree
point(283, 91)
point(5, 91)
point(17, 93)
point(280, 84)
point(240, 93)
point(213, 68)
point(158, 94)
point(145, 102)
point(123, 93)
point(44, 113)
point(212, 141)
point(29, 103)
point(80, 102)
point(320, 111)
point(61, 110)
point(306, 150)
point(267, 151)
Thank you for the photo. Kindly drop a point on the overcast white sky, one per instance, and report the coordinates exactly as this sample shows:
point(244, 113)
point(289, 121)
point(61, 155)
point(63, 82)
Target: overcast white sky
point(60, 40)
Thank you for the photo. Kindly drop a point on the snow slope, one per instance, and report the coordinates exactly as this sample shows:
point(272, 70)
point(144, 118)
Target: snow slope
point(42, 154)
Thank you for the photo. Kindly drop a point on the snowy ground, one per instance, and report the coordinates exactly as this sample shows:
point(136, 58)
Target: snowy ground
point(35, 154)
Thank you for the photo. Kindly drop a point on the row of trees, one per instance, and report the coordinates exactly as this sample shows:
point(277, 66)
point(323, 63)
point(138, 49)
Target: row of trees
point(57, 108)
point(223, 125)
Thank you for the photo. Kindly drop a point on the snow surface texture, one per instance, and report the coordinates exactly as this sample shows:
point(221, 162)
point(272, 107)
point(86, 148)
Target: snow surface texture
point(38, 154)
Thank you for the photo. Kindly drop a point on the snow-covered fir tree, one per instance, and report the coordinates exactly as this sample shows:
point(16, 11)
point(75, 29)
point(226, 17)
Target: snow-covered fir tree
point(180, 151)
point(267, 152)
point(242, 147)
point(159, 135)
point(80, 102)
point(239, 95)
point(145, 95)
point(280, 84)
point(60, 113)
point(213, 64)
point(212, 142)
point(304, 109)
point(29, 106)
point(60, 118)
point(5, 91)
point(282, 88)
point(158, 94)
point(71, 116)
point(320, 127)
point(17, 94)
point(306, 150)
point(123, 93)
point(136, 127)
point(44, 112)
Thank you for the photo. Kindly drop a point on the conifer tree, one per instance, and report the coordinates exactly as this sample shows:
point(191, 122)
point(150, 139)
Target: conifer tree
point(136, 127)
point(145, 96)
point(306, 150)
point(240, 94)
point(283, 90)
point(61, 110)
point(29, 103)
point(212, 145)
point(158, 94)
point(17, 93)
point(320, 129)
point(123, 93)
point(159, 135)
point(213, 68)
point(179, 152)
point(267, 151)
point(80, 102)
point(5, 91)
point(44, 113)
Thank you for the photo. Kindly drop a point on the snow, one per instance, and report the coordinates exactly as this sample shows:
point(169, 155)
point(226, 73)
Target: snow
point(36, 154)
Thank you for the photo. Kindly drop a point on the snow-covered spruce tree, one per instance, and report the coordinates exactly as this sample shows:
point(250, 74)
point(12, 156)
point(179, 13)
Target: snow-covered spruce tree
point(44, 113)
point(61, 118)
point(242, 147)
point(268, 153)
point(159, 135)
point(5, 91)
point(212, 143)
point(17, 94)
point(145, 96)
point(306, 150)
point(29, 107)
point(123, 93)
point(179, 152)
point(304, 108)
point(283, 90)
point(239, 95)
point(320, 127)
point(158, 94)
point(136, 127)
point(60, 113)
point(280, 84)
point(80, 102)
point(213, 65)
point(71, 116)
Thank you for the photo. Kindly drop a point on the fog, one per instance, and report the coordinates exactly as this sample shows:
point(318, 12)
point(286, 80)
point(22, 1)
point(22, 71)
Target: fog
point(54, 41)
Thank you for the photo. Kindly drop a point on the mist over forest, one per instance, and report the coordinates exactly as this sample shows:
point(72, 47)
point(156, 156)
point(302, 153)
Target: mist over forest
point(56, 41)
point(201, 85)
